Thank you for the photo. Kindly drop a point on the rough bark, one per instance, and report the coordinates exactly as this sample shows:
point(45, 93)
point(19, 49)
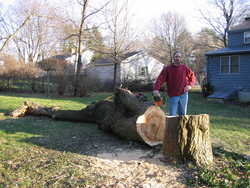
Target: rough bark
point(31, 108)
point(187, 138)
point(117, 114)
point(184, 137)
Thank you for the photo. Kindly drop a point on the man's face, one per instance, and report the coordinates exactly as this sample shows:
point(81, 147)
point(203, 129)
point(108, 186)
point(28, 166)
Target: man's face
point(177, 58)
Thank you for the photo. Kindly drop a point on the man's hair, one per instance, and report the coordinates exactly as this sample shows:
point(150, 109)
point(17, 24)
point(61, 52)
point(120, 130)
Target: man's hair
point(176, 52)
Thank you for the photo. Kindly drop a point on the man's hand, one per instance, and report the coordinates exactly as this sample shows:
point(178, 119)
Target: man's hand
point(157, 98)
point(187, 88)
point(156, 93)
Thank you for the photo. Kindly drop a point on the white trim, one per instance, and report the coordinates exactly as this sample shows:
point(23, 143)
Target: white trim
point(104, 64)
point(229, 64)
point(246, 37)
point(238, 64)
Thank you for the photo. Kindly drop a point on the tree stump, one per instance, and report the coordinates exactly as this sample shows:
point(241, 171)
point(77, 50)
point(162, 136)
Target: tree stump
point(187, 138)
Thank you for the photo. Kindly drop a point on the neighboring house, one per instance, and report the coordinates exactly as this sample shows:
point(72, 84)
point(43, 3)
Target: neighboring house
point(140, 66)
point(228, 69)
point(136, 66)
point(86, 57)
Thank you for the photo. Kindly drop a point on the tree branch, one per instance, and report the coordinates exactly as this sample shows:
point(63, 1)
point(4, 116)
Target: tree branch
point(17, 30)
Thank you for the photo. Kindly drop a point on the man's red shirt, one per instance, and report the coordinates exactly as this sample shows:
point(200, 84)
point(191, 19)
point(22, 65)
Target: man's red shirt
point(176, 77)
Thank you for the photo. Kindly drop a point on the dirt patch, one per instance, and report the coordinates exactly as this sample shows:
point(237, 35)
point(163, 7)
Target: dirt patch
point(139, 168)
point(2, 116)
point(122, 163)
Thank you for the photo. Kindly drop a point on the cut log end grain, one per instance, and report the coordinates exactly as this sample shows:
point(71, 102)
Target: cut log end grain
point(151, 125)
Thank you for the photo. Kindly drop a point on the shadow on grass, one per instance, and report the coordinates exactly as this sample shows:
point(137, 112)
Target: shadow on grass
point(230, 169)
point(87, 99)
point(81, 138)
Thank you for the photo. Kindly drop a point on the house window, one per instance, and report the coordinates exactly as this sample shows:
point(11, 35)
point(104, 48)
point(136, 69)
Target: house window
point(229, 64)
point(234, 64)
point(143, 71)
point(224, 64)
point(247, 37)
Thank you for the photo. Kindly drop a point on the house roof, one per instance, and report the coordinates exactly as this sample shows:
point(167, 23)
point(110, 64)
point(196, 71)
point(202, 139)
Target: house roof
point(242, 26)
point(222, 51)
point(108, 61)
point(225, 94)
point(129, 54)
point(60, 57)
point(103, 61)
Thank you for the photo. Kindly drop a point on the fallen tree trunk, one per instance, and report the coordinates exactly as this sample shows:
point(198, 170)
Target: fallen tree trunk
point(187, 139)
point(117, 114)
point(30, 108)
point(183, 137)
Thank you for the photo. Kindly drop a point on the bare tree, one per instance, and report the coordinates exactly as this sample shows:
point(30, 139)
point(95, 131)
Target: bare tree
point(28, 27)
point(84, 4)
point(37, 38)
point(230, 12)
point(85, 13)
point(169, 34)
point(7, 31)
point(204, 41)
point(119, 34)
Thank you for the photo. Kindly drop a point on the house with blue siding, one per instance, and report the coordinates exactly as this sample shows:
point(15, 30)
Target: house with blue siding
point(228, 69)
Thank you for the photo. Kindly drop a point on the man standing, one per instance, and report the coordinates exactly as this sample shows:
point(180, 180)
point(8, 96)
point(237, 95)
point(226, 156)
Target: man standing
point(179, 79)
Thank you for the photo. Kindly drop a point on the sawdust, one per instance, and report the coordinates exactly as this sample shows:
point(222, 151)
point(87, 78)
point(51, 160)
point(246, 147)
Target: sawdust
point(137, 168)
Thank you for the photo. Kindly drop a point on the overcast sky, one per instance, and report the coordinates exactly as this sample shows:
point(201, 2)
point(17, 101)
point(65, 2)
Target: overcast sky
point(144, 11)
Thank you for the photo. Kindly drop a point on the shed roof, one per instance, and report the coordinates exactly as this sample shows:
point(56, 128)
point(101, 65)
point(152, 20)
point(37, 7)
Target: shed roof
point(103, 61)
point(242, 26)
point(108, 60)
point(225, 51)
point(61, 57)
point(225, 94)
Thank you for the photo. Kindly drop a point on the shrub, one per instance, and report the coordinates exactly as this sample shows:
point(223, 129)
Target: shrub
point(207, 89)
point(138, 85)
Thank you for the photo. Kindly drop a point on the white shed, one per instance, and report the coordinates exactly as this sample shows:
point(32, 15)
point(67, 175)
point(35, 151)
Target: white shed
point(140, 66)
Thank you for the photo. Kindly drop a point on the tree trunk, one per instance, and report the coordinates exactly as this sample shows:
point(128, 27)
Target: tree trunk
point(115, 75)
point(187, 138)
point(48, 83)
point(30, 108)
point(184, 138)
point(117, 114)
point(78, 67)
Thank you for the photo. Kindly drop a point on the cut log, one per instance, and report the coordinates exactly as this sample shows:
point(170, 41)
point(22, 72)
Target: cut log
point(117, 114)
point(126, 129)
point(93, 113)
point(187, 138)
point(31, 108)
point(151, 125)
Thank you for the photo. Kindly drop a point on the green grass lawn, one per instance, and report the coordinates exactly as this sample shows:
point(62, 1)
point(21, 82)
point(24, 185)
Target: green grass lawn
point(32, 149)
point(230, 124)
